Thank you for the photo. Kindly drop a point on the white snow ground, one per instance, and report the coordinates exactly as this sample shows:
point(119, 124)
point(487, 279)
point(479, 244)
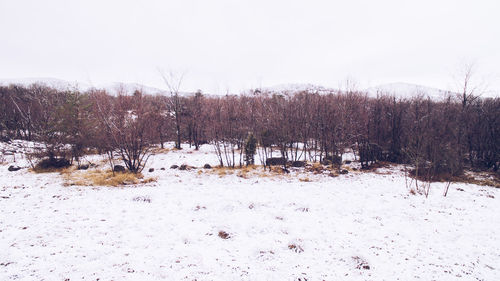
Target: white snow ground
point(338, 226)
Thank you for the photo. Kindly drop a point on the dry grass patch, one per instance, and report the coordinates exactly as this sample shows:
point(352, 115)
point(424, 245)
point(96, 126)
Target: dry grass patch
point(242, 172)
point(277, 170)
point(149, 180)
point(159, 150)
point(350, 169)
point(104, 178)
point(316, 168)
point(479, 178)
point(248, 172)
point(223, 172)
point(62, 171)
point(484, 179)
point(333, 174)
point(245, 172)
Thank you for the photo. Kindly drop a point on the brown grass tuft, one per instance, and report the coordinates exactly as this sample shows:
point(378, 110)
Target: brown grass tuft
point(224, 235)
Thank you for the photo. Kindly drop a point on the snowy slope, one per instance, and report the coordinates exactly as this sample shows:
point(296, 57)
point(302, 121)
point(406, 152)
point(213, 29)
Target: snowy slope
point(112, 88)
point(295, 88)
point(359, 226)
point(50, 82)
point(407, 90)
point(402, 90)
point(128, 88)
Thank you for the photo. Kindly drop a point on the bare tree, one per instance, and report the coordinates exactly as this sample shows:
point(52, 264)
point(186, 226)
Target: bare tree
point(126, 124)
point(173, 83)
point(469, 90)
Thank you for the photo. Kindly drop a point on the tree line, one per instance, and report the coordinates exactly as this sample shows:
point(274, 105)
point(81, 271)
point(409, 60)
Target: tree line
point(439, 137)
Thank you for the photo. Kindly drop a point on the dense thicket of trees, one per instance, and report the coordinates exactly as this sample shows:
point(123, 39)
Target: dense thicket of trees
point(438, 136)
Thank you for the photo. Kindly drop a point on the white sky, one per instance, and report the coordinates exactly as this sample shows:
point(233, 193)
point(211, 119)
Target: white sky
point(234, 45)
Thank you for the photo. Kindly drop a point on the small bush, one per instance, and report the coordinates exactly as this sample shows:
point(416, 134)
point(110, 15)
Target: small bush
point(119, 168)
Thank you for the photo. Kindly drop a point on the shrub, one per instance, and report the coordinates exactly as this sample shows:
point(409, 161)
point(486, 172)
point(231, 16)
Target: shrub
point(52, 164)
point(250, 149)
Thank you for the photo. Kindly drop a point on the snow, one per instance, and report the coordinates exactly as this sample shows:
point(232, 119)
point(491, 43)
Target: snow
point(280, 228)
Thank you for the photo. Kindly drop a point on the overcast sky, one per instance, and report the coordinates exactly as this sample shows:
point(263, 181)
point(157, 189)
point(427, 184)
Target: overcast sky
point(222, 44)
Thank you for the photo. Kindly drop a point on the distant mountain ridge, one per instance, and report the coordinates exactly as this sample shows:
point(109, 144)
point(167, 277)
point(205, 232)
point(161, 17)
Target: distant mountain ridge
point(400, 89)
point(408, 90)
point(113, 88)
point(296, 88)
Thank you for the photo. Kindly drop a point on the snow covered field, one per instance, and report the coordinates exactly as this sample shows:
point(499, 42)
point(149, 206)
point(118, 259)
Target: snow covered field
point(359, 226)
